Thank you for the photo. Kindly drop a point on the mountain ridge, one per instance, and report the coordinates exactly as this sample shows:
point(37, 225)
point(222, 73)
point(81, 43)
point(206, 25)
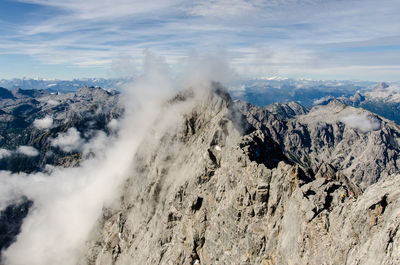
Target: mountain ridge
point(218, 181)
point(229, 207)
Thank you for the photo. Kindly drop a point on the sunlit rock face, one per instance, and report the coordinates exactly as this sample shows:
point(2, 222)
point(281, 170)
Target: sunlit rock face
point(218, 182)
point(359, 143)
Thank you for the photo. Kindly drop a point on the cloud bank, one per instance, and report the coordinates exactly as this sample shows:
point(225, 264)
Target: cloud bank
point(362, 122)
point(44, 123)
point(4, 153)
point(27, 150)
point(69, 201)
point(69, 141)
point(322, 100)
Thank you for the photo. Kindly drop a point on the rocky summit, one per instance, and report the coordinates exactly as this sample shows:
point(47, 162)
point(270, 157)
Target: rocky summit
point(231, 183)
point(359, 143)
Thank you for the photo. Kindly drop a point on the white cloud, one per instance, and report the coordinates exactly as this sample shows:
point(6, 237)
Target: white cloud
point(322, 100)
point(306, 43)
point(103, 9)
point(27, 150)
point(44, 123)
point(224, 8)
point(69, 201)
point(113, 125)
point(362, 122)
point(69, 141)
point(201, 68)
point(4, 153)
point(53, 102)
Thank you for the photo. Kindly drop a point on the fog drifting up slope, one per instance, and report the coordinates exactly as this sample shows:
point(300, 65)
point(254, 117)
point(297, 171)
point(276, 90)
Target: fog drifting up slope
point(68, 201)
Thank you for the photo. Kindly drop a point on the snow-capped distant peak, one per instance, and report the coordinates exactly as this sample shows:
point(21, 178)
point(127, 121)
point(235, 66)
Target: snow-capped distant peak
point(277, 78)
point(386, 92)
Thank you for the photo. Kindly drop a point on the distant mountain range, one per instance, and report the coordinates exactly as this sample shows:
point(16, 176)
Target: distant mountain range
point(64, 86)
point(265, 91)
point(284, 90)
point(381, 98)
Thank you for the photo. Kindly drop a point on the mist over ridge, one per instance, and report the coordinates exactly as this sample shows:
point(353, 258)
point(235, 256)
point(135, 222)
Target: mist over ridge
point(67, 202)
point(173, 162)
point(205, 132)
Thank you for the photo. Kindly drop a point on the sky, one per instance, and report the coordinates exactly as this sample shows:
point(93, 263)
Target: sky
point(318, 39)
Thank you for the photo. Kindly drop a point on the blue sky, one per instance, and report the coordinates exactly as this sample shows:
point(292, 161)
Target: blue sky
point(321, 39)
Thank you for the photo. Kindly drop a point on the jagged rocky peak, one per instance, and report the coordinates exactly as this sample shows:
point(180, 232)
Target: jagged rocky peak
point(211, 188)
point(29, 93)
point(282, 110)
point(5, 93)
point(93, 93)
point(364, 146)
point(357, 98)
point(381, 86)
point(287, 110)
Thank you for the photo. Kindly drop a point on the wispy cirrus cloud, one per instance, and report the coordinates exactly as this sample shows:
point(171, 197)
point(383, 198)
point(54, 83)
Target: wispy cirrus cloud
point(103, 10)
point(297, 34)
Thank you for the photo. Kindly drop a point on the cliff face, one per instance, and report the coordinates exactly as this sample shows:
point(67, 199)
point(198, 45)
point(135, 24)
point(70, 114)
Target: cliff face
point(364, 146)
point(218, 189)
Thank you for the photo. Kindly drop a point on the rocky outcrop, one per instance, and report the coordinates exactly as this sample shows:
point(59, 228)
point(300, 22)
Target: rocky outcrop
point(362, 145)
point(216, 189)
point(29, 93)
point(383, 99)
point(286, 110)
point(88, 110)
point(11, 220)
point(5, 93)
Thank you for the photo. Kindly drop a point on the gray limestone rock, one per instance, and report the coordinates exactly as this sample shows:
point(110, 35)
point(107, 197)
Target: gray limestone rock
point(208, 191)
point(362, 145)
